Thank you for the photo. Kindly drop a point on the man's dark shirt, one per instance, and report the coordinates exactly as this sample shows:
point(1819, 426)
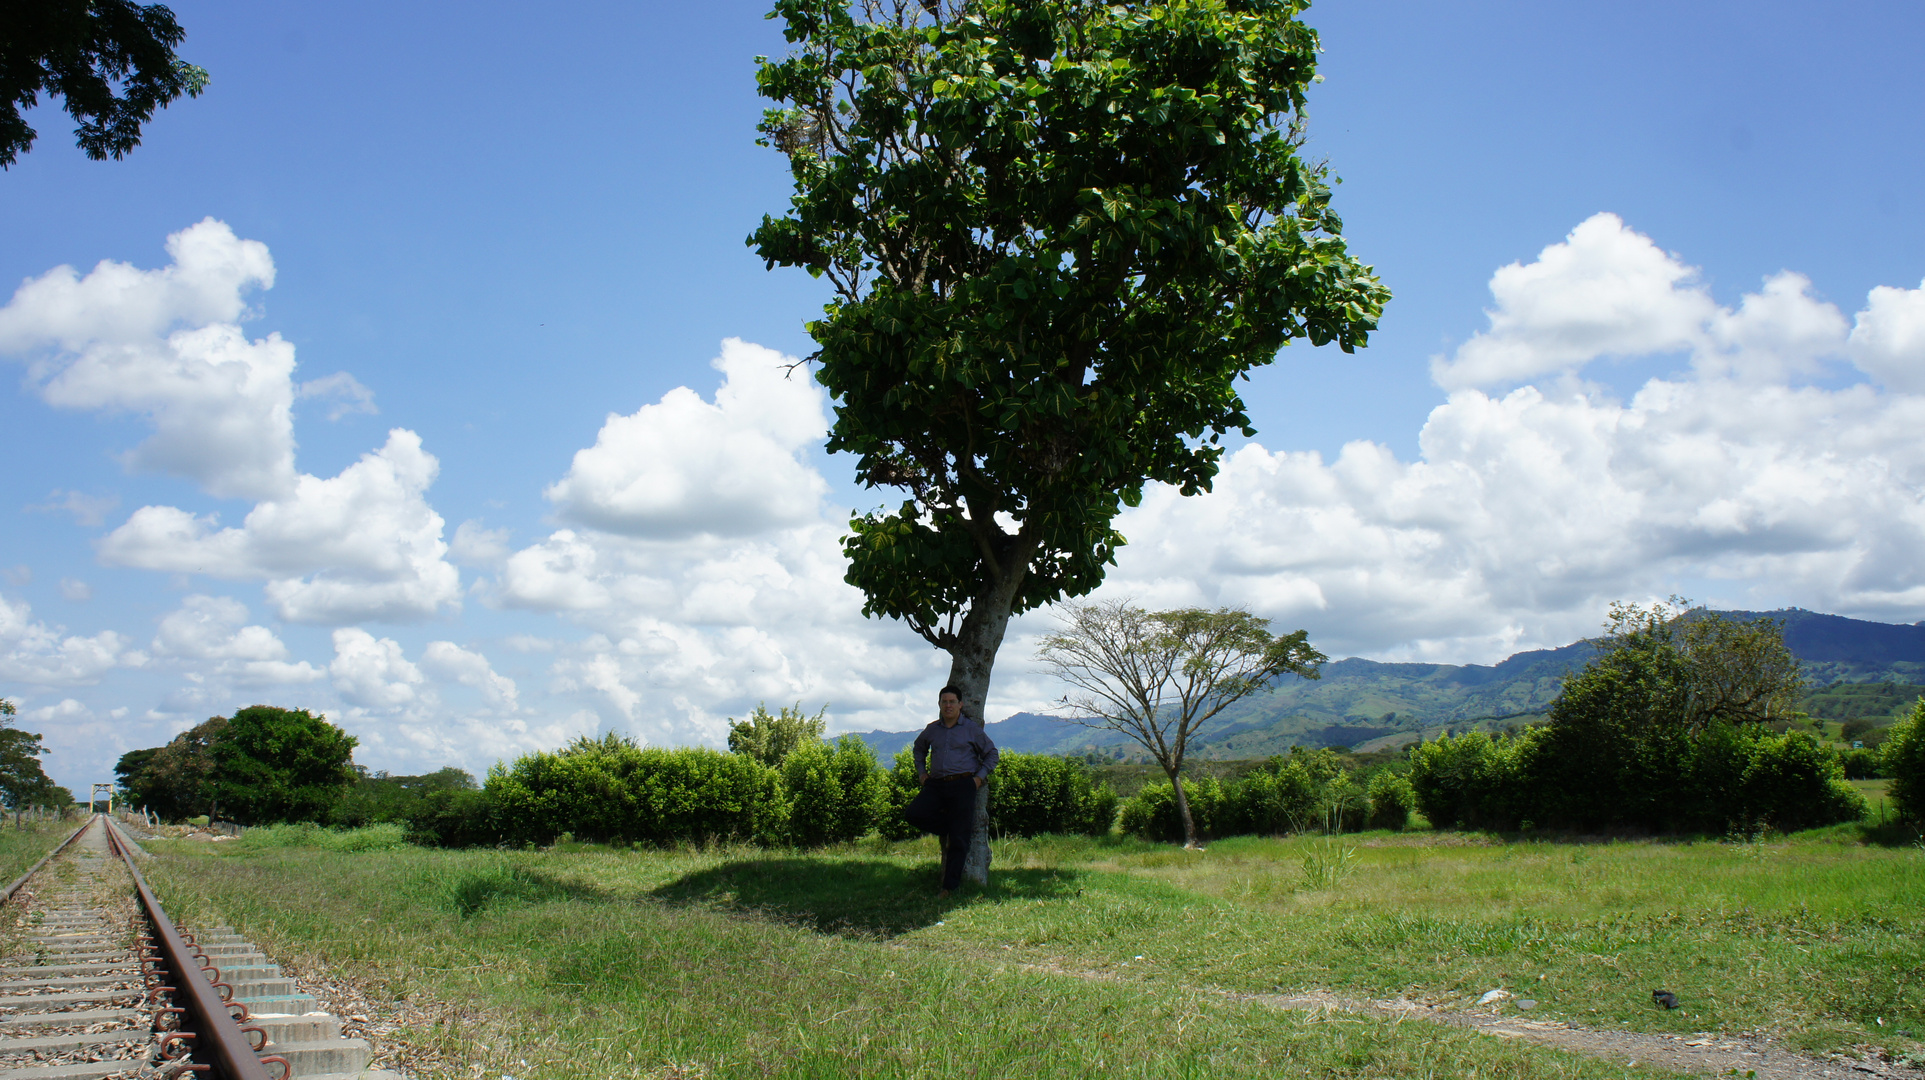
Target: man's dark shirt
point(953, 751)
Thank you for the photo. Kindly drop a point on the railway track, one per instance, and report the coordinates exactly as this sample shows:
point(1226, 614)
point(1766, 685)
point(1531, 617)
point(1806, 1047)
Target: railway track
point(97, 982)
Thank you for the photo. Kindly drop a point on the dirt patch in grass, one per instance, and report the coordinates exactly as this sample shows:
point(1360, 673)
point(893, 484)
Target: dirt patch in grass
point(1719, 1053)
point(1698, 1052)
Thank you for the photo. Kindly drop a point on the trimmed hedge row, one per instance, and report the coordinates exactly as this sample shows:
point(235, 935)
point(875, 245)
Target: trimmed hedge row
point(610, 790)
point(1659, 781)
point(1306, 791)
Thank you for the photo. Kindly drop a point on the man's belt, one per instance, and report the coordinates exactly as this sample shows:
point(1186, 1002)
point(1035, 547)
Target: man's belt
point(954, 776)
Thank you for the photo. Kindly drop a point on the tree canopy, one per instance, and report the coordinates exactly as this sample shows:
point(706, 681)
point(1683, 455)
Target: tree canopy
point(111, 62)
point(264, 764)
point(1058, 232)
point(22, 781)
point(770, 738)
point(1661, 727)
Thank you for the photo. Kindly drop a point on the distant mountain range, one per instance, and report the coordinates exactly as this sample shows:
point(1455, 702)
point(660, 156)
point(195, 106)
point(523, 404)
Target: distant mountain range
point(1366, 705)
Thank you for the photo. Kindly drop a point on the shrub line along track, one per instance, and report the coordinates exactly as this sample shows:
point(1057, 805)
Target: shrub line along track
point(100, 983)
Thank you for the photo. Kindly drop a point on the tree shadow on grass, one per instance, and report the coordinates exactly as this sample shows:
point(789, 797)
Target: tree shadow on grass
point(1890, 831)
point(854, 897)
point(467, 891)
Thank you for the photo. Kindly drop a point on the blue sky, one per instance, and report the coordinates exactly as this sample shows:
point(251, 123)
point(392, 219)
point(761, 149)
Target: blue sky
point(503, 226)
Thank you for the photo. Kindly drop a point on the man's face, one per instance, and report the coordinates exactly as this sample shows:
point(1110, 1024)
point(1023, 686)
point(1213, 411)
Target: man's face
point(951, 706)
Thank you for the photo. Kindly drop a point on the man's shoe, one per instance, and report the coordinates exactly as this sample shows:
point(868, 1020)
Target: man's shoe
point(942, 894)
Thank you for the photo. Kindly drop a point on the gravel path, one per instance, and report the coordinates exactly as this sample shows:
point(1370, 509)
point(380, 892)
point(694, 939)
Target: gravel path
point(1703, 1052)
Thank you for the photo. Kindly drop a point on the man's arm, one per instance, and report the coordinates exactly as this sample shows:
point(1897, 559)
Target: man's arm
point(986, 757)
point(922, 756)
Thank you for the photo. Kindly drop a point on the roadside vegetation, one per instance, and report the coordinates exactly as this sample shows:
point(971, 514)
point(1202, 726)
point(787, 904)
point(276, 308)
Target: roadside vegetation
point(608, 909)
point(22, 845)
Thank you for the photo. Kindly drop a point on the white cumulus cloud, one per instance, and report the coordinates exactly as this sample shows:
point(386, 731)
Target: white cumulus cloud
point(373, 672)
point(361, 545)
point(40, 655)
point(685, 466)
point(446, 660)
point(166, 344)
point(1888, 342)
point(1527, 512)
point(214, 628)
point(706, 567)
point(1604, 291)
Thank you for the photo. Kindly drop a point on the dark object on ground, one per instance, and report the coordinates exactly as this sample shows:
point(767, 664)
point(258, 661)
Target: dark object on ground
point(1665, 998)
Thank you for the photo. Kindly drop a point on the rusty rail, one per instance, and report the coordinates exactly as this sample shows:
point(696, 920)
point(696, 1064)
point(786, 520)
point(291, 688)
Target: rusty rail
point(208, 1021)
point(44, 859)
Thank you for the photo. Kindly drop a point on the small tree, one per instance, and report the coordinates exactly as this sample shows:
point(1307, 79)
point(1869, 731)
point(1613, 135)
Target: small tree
point(770, 739)
point(1158, 677)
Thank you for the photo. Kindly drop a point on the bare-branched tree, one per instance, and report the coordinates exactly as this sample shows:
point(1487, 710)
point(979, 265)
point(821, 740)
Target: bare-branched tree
point(1159, 676)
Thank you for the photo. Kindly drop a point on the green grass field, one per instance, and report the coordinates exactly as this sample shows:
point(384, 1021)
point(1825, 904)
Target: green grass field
point(1099, 957)
point(22, 846)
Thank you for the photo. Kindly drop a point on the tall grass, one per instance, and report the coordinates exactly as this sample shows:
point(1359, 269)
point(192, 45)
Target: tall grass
point(1101, 957)
point(21, 847)
point(381, 837)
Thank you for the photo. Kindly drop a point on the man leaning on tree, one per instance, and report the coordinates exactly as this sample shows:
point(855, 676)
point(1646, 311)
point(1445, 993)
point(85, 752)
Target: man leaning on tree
point(953, 759)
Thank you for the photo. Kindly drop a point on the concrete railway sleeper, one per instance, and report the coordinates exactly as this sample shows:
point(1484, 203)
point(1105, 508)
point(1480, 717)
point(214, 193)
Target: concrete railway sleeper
point(96, 982)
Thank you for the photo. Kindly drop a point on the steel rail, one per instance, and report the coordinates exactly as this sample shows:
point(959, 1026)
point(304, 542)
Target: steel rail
point(217, 1037)
point(35, 868)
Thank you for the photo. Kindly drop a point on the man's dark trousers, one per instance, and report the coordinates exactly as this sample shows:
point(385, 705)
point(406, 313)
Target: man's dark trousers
point(947, 807)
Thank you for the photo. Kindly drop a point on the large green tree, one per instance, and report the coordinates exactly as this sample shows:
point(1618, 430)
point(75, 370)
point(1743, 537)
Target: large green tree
point(280, 765)
point(174, 780)
point(111, 62)
point(1654, 731)
point(264, 764)
point(1058, 231)
point(22, 781)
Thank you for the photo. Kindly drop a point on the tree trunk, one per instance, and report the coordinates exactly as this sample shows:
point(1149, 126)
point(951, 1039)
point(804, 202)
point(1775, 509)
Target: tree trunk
point(971, 661)
point(1183, 811)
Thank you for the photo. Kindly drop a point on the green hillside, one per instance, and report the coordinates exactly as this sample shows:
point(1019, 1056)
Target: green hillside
point(1863, 670)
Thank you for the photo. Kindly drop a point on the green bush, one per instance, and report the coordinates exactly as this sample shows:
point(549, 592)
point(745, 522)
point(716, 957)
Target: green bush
point(1032, 794)
point(460, 818)
point(609, 789)
point(1861, 764)
point(1285, 796)
point(1151, 813)
point(832, 794)
point(1345, 805)
point(1663, 781)
point(379, 797)
point(1391, 800)
point(1471, 780)
point(1794, 783)
point(1903, 759)
point(1306, 791)
point(899, 787)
